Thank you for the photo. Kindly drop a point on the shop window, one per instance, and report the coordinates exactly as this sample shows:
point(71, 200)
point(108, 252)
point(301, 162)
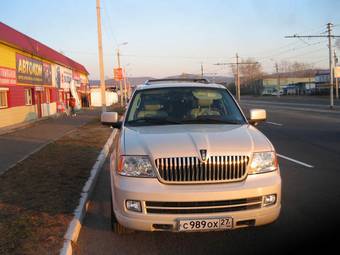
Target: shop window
point(28, 97)
point(3, 98)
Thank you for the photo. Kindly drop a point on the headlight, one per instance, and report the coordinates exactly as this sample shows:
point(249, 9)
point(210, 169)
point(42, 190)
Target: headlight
point(263, 162)
point(136, 166)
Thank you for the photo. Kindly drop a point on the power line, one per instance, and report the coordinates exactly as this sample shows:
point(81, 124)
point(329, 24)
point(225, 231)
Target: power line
point(176, 57)
point(305, 53)
point(107, 15)
point(278, 48)
point(295, 44)
point(290, 50)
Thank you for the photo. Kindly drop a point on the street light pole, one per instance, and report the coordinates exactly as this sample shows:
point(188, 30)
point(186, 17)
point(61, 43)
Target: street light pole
point(101, 62)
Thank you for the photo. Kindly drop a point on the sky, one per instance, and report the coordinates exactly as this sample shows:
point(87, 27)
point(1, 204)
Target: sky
point(177, 36)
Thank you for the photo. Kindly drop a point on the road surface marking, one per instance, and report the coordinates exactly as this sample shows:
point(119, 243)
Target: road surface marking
point(273, 123)
point(295, 161)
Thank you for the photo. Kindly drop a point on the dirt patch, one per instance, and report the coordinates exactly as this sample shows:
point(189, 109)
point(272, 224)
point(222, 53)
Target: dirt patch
point(38, 195)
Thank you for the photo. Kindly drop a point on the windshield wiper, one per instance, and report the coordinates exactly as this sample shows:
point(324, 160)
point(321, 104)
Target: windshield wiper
point(164, 121)
point(211, 120)
point(158, 121)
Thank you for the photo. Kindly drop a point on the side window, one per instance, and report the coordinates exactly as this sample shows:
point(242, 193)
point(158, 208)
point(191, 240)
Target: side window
point(28, 96)
point(135, 106)
point(3, 98)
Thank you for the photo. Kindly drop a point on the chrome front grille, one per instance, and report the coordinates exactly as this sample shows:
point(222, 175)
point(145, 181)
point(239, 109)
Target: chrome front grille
point(203, 206)
point(193, 170)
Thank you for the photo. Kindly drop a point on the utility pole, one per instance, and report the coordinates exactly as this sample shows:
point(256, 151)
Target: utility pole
point(329, 31)
point(330, 36)
point(202, 73)
point(124, 78)
point(129, 88)
point(336, 78)
point(237, 79)
point(278, 79)
point(101, 62)
point(120, 82)
point(128, 84)
point(238, 86)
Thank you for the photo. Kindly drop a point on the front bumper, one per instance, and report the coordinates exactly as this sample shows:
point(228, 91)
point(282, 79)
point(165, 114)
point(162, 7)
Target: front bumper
point(129, 188)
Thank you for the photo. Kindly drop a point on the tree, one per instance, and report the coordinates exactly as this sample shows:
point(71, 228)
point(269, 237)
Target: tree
point(250, 75)
point(287, 66)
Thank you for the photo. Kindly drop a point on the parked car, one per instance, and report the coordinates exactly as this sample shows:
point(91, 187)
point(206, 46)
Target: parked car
point(277, 93)
point(267, 92)
point(271, 92)
point(187, 159)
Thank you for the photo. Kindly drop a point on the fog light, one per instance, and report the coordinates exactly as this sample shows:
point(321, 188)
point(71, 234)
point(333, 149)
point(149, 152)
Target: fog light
point(133, 205)
point(269, 200)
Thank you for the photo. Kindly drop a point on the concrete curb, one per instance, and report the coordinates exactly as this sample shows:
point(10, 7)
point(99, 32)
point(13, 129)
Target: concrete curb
point(79, 213)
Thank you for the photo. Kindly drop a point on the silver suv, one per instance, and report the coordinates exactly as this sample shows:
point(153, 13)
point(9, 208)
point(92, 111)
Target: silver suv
point(187, 159)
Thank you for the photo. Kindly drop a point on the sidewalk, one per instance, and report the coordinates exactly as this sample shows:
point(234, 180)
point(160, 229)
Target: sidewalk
point(306, 100)
point(317, 104)
point(19, 144)
point(293, 106)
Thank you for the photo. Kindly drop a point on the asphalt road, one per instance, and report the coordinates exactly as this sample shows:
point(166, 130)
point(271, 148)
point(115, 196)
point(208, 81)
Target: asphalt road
point(300, 103)
point(313, 100)
point(309, 219)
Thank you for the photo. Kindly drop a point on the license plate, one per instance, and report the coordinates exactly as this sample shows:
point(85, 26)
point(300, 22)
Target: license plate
point(205, 224)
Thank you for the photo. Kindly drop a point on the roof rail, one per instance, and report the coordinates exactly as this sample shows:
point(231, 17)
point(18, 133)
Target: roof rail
point(198, 80)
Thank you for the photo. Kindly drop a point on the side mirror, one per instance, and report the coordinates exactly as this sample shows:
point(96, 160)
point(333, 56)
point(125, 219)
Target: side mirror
point(111, 119)
point(256, 116)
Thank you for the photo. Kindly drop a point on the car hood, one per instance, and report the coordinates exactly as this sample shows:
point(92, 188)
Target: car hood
point(188, 140)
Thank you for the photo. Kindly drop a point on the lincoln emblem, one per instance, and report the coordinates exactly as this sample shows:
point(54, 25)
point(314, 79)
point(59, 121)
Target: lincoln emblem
point(203, 155)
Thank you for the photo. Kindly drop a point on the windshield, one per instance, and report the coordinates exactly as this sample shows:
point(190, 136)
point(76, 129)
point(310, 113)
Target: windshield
point(168, 106)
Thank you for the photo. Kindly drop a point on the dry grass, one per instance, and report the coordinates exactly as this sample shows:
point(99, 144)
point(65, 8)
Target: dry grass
point(38, 196)
point(117, 108)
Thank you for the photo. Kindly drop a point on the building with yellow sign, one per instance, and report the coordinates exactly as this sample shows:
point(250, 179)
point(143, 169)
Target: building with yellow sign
point(35, 80)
